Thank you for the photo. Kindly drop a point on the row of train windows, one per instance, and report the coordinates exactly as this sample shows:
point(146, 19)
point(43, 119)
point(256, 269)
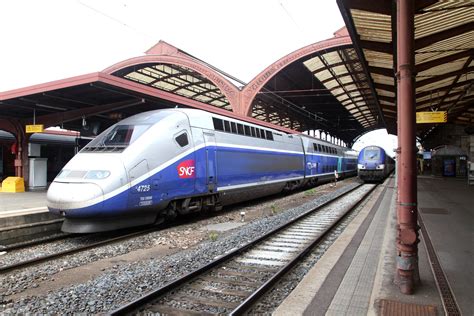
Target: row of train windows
point(324, 149)
point(241, 129)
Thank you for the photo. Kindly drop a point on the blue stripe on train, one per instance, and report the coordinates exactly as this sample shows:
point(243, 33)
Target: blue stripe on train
point(234, 166)
point(165, 185)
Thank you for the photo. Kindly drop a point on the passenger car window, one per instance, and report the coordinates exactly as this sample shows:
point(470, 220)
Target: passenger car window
point(253, 132)
point(269, 135)
point(247, 130)
point(226, 126)
point(234, 127)
point(240, 129)
point(218, 125)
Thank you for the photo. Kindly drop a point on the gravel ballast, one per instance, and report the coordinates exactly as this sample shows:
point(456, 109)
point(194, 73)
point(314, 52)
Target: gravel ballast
point(121, 283)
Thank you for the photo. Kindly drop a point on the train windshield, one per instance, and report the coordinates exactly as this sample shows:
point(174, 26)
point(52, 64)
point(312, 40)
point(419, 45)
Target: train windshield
point(372, 154)
point(116, 138)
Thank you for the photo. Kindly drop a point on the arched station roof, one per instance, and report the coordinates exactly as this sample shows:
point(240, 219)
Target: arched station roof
point(168, 68)
point(321, 86)
point(444, 56)
point(121, 90)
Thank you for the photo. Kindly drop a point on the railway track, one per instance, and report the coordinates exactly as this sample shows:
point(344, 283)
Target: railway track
point(52, 256)
point(32, 243)
point(232, 283)
point(57, 255)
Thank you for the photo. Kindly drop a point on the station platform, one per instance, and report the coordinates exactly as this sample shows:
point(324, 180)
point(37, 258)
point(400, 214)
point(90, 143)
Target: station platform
point(25, 216)
point(15, 204)
point(356, 276)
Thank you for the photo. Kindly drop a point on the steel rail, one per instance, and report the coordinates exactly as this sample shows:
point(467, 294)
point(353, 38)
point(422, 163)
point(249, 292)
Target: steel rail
point(143, 300)
point(60, 254)
point(255, 296)
point(31, 243)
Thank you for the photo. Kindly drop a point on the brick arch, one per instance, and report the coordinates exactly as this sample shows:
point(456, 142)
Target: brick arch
point(249, 92)
point(165, 53)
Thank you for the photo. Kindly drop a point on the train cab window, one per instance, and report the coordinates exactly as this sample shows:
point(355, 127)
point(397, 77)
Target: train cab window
point(269, 135)
point(227, 126)
point(182, 140)
point(121, 135)
point(240, 129)
point(247, 130)
point(233, 127)
point(254, 133)
point(218, 124)
point(371, 154)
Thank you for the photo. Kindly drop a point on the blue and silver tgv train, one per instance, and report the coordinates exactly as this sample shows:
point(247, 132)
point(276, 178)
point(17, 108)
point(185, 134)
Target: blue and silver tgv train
point(373, 164)
point(162, 163)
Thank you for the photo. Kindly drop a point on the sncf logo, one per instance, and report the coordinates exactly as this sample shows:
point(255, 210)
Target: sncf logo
point(186, 169)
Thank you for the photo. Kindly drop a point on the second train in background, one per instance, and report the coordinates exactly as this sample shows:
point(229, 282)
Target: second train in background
point(374, 164)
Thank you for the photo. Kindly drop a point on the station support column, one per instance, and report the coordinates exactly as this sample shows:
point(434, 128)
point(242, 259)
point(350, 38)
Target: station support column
point(407, 237)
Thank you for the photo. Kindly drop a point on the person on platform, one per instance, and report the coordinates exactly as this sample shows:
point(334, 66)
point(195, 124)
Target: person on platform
point(335, 178)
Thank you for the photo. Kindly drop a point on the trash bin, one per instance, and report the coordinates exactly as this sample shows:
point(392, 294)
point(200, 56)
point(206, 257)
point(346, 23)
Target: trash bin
point(13, 185)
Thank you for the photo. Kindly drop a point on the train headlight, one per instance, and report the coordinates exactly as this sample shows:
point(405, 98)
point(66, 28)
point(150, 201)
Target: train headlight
point(380, 167)
point(360, 166)
point(97, 174)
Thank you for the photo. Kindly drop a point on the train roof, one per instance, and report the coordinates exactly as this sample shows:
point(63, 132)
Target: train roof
point(201, 118)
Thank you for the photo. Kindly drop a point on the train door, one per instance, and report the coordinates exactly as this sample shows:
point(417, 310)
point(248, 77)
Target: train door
point(339, 164)
point(311, 161)
point(140, 192)
point(211, 161)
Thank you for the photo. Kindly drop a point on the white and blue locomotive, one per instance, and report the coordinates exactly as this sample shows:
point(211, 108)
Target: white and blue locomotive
point(162, 163)
point(373, 164)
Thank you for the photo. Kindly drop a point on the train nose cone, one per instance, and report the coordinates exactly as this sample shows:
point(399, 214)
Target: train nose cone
point(67, 197)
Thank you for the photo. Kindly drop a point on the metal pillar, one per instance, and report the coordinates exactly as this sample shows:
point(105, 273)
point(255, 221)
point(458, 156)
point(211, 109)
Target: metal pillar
point(407, 238)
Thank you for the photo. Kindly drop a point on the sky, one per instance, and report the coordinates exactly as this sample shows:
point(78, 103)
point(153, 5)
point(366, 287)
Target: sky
point(50, 40)
point(380, 138)
point(55, 39)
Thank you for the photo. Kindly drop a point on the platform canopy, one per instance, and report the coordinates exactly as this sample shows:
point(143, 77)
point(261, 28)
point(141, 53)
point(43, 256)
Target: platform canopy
point(322, 86)
point(444, 52)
